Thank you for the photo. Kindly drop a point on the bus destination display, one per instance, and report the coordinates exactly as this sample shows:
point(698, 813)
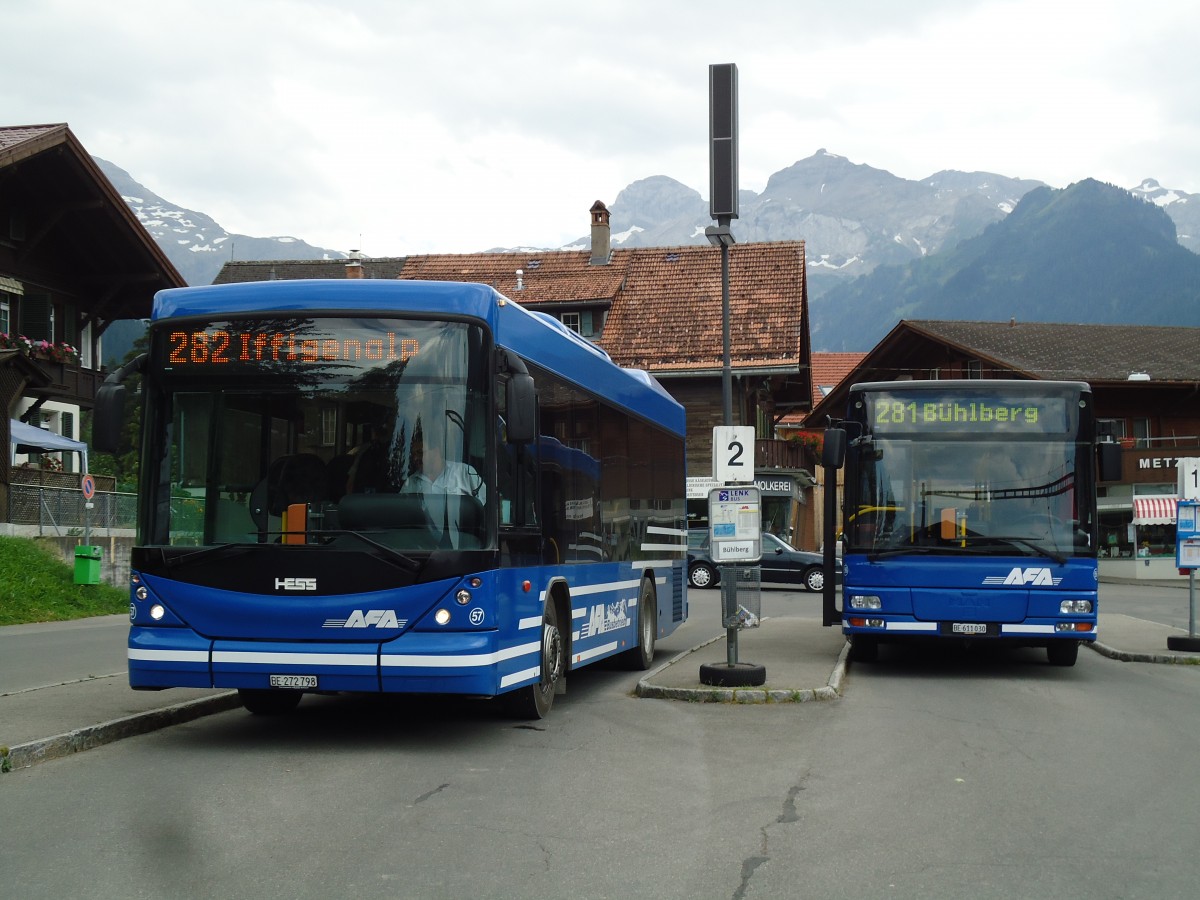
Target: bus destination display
point(222, 346)
point(926, 411)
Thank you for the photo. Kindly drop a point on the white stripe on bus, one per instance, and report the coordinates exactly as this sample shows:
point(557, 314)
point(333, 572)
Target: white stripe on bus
point(446, 662)
point(321, 660)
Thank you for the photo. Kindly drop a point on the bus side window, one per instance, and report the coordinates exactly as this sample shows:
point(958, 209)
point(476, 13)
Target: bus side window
point(516, 470)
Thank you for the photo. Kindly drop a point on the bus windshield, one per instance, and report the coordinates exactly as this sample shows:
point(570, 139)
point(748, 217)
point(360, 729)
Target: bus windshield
point(1012, 498)
point(319, 430)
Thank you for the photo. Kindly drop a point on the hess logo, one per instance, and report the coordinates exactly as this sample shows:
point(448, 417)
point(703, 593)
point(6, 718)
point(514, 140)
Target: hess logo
point(295, 584)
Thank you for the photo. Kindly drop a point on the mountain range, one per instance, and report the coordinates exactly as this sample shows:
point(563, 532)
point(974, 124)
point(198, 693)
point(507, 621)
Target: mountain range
point(879, 247)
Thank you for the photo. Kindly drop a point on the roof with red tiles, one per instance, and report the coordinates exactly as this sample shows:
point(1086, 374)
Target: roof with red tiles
point(828, 369)
point(665, 313)
point(547, 277)
point(12, 135)
point(668, 316)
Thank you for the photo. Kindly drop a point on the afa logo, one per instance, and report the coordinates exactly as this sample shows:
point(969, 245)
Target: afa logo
point(371, 618)
point(1031, 575)
point(605, 618)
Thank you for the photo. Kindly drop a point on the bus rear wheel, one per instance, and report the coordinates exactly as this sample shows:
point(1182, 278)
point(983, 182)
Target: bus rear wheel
point(1062, 653)
point(269, 703)
point(534, 701)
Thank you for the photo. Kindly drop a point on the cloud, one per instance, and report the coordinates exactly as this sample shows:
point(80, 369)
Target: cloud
point(430, 126)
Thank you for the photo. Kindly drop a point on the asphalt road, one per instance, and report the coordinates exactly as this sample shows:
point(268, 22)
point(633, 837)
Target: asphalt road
point(946, 775)
point(33, 656)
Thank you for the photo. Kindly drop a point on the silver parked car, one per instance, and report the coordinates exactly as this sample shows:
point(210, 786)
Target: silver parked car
point(782, 564)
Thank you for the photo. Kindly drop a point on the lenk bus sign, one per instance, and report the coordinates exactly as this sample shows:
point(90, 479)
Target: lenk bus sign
point(735, 524)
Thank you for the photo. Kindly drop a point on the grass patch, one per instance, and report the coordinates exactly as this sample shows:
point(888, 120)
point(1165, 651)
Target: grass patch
point(37, 586)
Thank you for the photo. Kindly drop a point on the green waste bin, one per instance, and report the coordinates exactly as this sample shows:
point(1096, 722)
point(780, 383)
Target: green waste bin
point(87, 564)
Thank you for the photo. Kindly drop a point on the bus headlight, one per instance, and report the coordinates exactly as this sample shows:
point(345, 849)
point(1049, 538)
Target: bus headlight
point(157, 611)
point(1075, 606)
point(463, 597)
point(865, 601)
point(442, 616)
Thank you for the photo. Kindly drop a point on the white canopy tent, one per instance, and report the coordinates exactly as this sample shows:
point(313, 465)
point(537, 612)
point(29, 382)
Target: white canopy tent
point(25, 438)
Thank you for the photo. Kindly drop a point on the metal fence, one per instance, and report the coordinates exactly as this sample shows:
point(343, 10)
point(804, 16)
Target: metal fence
point(743, 605)
point(61, 510)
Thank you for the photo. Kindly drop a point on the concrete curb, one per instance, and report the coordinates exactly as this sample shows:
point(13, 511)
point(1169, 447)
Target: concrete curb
point(1177, 659)
point(33, 752)
point(832, 689)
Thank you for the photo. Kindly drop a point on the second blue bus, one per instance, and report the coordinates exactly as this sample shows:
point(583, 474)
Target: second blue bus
point(969, 513)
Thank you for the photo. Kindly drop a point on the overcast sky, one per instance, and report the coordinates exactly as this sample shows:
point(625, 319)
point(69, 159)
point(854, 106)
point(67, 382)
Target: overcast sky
point(411, 126)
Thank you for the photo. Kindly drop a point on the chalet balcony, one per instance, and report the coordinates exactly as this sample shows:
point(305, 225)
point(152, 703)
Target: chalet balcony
point(792, 454)
point(69, 382)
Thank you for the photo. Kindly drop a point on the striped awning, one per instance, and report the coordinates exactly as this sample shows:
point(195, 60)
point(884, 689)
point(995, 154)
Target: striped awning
point(1154, 510)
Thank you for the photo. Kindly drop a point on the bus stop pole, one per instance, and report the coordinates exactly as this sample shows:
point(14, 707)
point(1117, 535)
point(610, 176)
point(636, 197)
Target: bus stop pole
point(729, 573)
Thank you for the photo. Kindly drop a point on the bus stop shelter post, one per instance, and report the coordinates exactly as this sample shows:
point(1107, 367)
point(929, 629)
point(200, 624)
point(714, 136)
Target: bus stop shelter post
point(833, 456)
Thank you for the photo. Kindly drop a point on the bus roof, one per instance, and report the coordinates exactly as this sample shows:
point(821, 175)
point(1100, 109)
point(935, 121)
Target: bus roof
point(536, 338)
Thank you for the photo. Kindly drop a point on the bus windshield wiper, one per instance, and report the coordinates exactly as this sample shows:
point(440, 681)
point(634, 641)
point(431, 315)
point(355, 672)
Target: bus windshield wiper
point(405, 562)
point(920, 549)
point(1037, 548)
point(217, 550)
point(896, 551)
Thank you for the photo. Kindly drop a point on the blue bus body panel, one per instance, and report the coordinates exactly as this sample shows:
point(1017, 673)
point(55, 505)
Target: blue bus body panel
point(1020, 595)
point(168, 657)
point(489, 646)
point(297, 617)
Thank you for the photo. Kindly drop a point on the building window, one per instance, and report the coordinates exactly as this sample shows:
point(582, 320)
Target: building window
point(4, 314)
point(571, 320)
point(1113, 427)
point(1141, 433)
point(974, 368)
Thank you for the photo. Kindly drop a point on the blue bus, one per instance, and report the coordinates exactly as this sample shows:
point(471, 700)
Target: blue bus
point(969, 513)
point(393, 487)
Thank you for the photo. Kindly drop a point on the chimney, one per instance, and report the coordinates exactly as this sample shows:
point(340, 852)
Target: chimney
point(354, 265)
point(601, 235)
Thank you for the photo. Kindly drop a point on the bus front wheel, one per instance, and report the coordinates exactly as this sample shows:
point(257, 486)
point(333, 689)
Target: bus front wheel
point(269, 703)
point(534, 701)
point(1062, 653)
point(864, 648)
point(640, 658)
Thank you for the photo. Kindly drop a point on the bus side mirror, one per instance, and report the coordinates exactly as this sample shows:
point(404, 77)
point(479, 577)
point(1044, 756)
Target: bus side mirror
point(1110, 461)
point(833, 450)
point(520, 408)
point(108, 418)
point(109, 415)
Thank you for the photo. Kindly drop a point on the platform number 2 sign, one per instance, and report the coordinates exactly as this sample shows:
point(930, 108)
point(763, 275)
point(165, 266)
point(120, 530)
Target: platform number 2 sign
point(733, 454)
